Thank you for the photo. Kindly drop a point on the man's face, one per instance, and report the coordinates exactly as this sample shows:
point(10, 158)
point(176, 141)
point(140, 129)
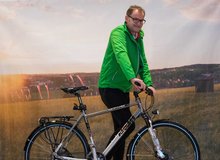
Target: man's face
point(135, 21)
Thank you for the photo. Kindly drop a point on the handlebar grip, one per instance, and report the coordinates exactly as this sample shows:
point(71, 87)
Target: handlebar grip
point(136, 83)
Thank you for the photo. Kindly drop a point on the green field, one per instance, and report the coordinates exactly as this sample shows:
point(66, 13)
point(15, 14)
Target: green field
point(199, 112)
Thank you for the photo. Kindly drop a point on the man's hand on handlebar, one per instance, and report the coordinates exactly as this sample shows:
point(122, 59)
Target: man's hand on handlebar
point(140, 85)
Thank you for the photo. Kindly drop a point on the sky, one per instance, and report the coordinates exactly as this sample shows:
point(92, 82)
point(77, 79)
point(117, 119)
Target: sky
point(66, 36)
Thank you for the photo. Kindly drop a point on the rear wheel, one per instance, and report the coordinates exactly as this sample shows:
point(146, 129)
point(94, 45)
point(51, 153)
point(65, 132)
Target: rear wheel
point(176, 141)
point(43, 142)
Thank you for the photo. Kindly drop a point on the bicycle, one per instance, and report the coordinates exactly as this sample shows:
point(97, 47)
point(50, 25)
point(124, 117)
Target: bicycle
point(60, 138)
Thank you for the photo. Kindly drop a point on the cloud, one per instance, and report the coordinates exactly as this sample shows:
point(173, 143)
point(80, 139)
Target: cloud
point(201, 10)
point(69, 7)
point(6, 13)
point(104, 1)
point(17, 4)
point(3, 56)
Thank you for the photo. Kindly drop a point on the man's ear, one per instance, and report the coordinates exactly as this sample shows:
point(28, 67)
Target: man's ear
point(126, 18)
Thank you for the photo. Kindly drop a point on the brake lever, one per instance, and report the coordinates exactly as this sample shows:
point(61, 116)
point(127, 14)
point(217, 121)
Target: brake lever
point(149, 91)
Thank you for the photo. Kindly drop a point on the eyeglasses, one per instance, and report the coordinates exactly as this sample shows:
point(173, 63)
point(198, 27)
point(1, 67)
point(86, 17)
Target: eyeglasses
point(136, 20)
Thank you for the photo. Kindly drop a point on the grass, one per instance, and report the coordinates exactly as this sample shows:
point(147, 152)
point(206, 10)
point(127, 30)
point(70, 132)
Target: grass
point(199, 112)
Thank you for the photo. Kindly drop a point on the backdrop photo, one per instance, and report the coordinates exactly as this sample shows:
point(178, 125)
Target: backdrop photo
point(49, 44)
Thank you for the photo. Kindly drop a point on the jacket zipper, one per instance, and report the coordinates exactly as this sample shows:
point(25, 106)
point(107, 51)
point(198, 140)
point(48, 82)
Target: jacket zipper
point(114, 75)
point(138, 62)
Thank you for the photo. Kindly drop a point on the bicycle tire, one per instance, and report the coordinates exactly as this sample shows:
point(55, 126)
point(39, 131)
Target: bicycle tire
point(176, 141)
point(43, 141)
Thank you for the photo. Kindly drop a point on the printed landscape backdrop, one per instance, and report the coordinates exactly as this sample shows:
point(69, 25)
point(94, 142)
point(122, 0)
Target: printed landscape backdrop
point(48, 44)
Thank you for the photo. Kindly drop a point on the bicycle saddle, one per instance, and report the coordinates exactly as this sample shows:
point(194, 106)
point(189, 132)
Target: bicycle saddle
point(73, 90)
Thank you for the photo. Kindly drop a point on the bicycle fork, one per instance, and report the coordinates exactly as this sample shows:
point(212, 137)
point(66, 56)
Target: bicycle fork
point(157, 146)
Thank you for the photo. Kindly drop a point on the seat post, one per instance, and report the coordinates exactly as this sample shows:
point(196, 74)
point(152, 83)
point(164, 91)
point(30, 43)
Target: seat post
point(79, 98)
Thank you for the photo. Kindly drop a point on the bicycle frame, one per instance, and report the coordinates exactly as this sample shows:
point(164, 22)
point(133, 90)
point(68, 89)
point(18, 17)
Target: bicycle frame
point(85, 116)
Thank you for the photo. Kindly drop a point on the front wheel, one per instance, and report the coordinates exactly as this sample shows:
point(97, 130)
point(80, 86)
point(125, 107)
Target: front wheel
point(176, 141)
point(44, 140)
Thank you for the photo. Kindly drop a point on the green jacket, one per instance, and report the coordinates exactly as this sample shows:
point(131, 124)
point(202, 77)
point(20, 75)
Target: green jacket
point(124, 59)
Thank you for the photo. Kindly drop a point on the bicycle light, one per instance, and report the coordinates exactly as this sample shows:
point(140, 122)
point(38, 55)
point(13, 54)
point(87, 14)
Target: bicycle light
point(156, 112)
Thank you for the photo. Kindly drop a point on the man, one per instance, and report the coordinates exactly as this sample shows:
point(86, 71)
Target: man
point(124, 61)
